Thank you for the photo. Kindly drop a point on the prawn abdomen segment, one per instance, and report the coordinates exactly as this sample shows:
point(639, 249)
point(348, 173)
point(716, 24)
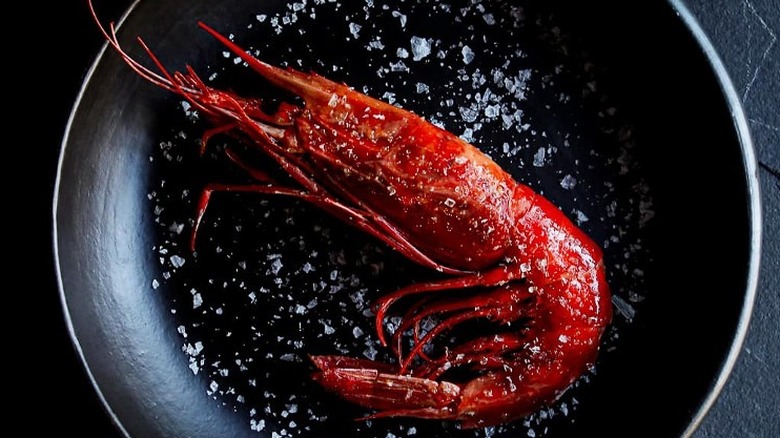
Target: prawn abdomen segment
point(449, 199)
point(563, 261)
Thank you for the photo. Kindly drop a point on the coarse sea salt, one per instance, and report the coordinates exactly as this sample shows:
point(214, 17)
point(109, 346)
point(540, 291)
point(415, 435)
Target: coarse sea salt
point(568, 182)
point(468, 54)
point(401, 18)
point(177, 261)
point(421, 48)
point(354, 29)
point(539, 157)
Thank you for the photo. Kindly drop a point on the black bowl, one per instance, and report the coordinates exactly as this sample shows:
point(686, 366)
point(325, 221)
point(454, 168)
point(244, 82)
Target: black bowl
point(629, 124)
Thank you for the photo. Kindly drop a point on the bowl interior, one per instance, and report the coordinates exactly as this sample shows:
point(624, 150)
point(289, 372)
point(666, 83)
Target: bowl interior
point(630, 135)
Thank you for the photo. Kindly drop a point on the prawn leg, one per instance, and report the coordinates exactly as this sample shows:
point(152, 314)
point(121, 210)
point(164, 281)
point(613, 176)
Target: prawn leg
point(357, 218)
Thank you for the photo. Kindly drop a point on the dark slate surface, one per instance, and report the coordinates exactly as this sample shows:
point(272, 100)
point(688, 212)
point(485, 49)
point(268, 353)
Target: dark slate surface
point(745, 34)
point(47, 381)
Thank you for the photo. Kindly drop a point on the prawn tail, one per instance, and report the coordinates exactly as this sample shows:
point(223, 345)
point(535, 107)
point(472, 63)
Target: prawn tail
point(378, 386)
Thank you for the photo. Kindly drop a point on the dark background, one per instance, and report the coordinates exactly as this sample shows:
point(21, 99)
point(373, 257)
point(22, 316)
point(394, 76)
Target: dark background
point(48, 61)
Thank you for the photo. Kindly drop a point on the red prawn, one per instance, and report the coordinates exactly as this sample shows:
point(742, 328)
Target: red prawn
point(443, 204)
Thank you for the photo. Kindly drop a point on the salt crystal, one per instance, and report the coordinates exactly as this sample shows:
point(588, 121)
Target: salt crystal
point(468, 114)
point(568, 182)
point(623, 307)
point(580, 217)
point(388, 97)
point(357, 332)
point(354, 29)
point(421, 48)
point(539, 157)
point(193, 350)
point(155, 284)
point(507, 120)
point(176, 228)
point(197, 301)
point(401, 17)
point(468, 54)
point(257, 425)
point(492, 111)
point(177, 261)
point(358, 297)
point(328, 329)
point(276, 266)
point(518, 116)
point(489, 19)
point(478, 79)
point(376, 44)
point(422, 88)
point(468, 135)
point(370, 352)
point(398, 67)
